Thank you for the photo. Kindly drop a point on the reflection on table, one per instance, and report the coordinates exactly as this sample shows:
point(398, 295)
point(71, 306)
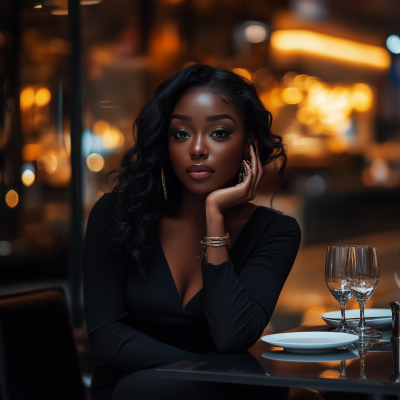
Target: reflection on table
point(371, 367)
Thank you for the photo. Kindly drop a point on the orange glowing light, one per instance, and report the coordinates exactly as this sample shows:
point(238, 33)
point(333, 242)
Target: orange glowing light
point(95, 162)
point(12, 198)
point(113, 138)
point(307, 115)
point(60, 11)
point(361, 97)
point(166, 39)
point(89, 2)
point(330, 374)
point(276, 98)
point(304, 41)
point(48, 163)
point(298, 81)
point(28, 177)
point(337, 144)
point(43, 97)
point(31, 152)
point(244, 73)
point(291, 95)
point(101, 127)
point(27, 98)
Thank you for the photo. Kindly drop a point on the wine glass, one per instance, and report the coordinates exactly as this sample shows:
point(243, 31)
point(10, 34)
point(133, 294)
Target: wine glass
point(335, 278)
point(362, 278)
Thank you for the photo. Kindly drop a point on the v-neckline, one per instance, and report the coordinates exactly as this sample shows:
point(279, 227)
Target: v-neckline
point(245, 226)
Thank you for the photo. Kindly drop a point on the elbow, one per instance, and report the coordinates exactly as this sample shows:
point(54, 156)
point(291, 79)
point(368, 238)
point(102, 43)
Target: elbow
point(239, 342)
point(230, 347)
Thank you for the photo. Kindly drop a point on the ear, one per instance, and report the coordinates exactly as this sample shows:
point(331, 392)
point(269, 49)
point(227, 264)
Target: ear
point(249, 141)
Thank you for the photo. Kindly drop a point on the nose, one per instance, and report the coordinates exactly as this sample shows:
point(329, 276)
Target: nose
point(199, 148)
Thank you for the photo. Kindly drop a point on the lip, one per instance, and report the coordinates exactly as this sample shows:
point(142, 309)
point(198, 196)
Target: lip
point(199, 168)
point(199, 171)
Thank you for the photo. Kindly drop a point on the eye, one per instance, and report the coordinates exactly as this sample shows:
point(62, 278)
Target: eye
point(221, 133)
point(180, 134)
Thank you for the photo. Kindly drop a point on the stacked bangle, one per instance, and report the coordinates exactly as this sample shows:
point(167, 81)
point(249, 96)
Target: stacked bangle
point(213, 241)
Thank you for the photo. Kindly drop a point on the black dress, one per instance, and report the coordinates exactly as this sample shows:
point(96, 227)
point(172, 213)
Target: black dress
point(136, 326)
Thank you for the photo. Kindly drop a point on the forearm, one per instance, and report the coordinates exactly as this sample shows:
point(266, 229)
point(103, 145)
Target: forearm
point(125, 348)
point(215, 227)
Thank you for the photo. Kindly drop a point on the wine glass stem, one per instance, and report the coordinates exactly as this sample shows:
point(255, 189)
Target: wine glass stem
point(343, 315)
point(362, 319)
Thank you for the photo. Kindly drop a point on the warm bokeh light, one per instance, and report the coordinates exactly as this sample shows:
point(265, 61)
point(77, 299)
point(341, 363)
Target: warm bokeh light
point(165, 39)
point(37, 6)
point(291, 95)
point(303, 41)
point(60, 11)
point(112, 139)
point(31, 152)
point(95, 162)
point(12, 198)
point(27, 98)
point(361, 97)
point(330, 374)
point(42, 97)
point(101, 127)
point(48, 163)
point(89, 2)
point(244, 73)
point(28, 177)
point(255, 33)
point(298, 81)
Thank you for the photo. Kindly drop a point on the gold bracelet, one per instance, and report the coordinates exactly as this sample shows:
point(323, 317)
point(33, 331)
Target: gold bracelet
point(216, 241)
point(213, 241)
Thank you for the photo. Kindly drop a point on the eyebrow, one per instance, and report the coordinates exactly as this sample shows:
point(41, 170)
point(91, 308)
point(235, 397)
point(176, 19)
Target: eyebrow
point(182, 117)
point(211, 118)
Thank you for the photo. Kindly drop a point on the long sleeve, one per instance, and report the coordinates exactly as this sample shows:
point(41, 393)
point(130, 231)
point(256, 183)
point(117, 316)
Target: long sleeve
point(105, 274)
point(239, 306)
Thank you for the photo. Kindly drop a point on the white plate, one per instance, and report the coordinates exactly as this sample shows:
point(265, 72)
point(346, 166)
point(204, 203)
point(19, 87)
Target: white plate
point(310, 342)
point(339, 355)
point(379, 318)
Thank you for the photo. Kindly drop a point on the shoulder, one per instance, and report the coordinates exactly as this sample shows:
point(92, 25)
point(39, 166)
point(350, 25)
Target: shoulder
point(274, 222)
point(104, 204)
point(103, 210)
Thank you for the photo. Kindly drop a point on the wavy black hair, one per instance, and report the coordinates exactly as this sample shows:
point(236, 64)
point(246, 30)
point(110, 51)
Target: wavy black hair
point(138, 195)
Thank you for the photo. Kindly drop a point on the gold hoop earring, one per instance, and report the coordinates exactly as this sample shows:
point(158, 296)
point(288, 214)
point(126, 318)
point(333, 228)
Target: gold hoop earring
point(243, 170)
point(163, 183)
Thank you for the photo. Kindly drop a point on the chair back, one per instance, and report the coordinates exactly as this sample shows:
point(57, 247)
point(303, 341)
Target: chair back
point(38, 355)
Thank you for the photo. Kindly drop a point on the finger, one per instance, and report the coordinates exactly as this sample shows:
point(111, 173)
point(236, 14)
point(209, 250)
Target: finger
point(255, 171)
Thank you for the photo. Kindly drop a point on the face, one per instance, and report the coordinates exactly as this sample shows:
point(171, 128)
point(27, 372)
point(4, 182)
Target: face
point(206, 142)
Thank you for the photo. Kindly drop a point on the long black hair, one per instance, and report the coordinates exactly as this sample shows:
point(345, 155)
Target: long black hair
point(138, 195)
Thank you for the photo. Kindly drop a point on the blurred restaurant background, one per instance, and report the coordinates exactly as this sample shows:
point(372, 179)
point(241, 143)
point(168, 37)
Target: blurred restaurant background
point(329, 71)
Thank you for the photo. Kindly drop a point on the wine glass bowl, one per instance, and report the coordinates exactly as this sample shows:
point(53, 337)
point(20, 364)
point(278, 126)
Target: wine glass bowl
point(362, 278)
point(335, 278)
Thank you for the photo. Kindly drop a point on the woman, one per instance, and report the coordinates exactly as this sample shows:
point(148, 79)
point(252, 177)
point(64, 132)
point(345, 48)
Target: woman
point(151, 297)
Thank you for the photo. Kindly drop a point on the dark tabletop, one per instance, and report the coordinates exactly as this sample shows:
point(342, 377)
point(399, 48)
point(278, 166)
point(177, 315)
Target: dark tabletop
point(267, 365)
